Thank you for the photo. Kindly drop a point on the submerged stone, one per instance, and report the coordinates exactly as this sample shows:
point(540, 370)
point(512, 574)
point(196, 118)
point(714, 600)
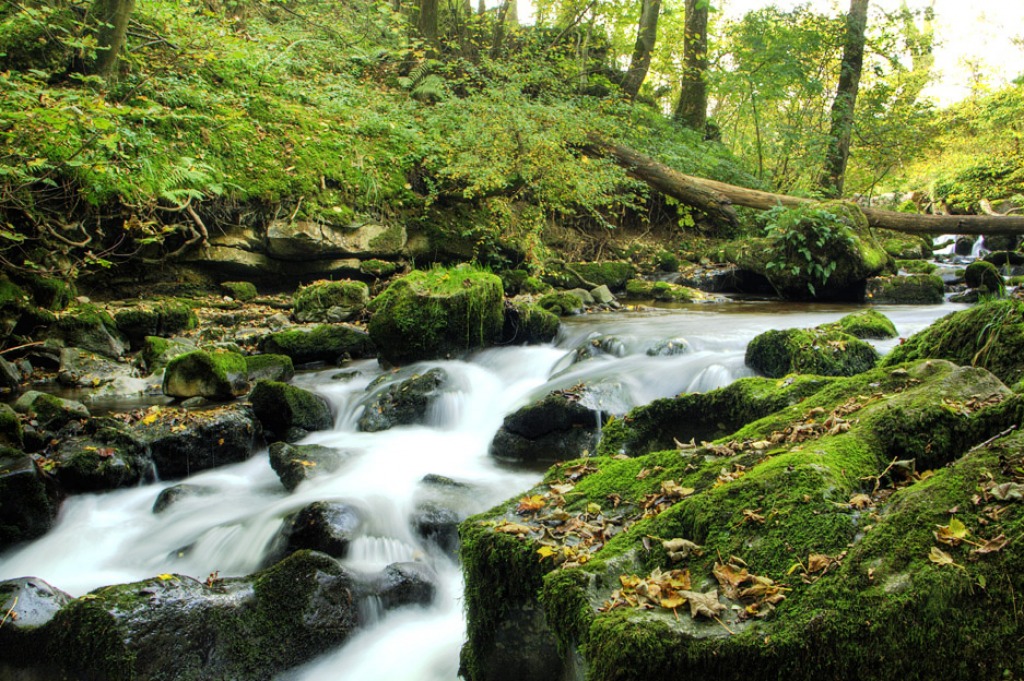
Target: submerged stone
point(296, 463)
point(403, 403)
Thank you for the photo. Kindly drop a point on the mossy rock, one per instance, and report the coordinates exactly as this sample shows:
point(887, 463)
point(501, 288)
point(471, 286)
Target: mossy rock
point(988, 335)
point(269, 367)
point(210, 438)
point(819, 351)
point(330, 301)
point(163, 318)
point(332, 343)
point(11, 432)
point(913, 289)
point(554, 428)
point(89, 327)
point(378, 269)
point(26, 510)
point(102, 455)
point(243, 291)
point(985, 277)
point(528, 323)
point(904, 246)
point(786, 506)
point(403, 403)
point(49, 411)
point(218, 375)
point(663, 291)
point(282, 408)
point(243, 628)
point(437, 313)
point(865, 324)
point(916, 266)
point(613, 274)
point(31, 605)
point(158, 351)
point(562, 303)
point(51, 294)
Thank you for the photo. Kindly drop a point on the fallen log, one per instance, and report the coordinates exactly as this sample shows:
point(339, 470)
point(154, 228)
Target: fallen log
point(717, 199)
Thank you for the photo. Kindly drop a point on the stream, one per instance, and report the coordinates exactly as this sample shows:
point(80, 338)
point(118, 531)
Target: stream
point(102, 539)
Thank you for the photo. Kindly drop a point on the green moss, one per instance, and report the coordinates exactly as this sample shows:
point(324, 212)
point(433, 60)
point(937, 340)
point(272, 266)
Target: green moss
point(391, 240)
point(51, 294)
point(280, 406)
point(662, 291)
point(325, 343)
point(240, 290)
point(864, 324)
point(988, 335)
point(330, 301)
point(272, 367)
point(10, 427)
point(527, 322)
point(613, 274)
point(378, 269)
point(913, 289)
point(916, 266)
point(215, 374)
point(431, 314)
point(984, 275)
point(809, 351)
point(561, 303)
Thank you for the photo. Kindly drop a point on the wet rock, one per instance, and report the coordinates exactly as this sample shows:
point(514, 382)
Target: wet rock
point(437, 313)
point(328, 527)
point(26, 510)
point(669, 348)
point(819, 351)
point(163, 318)
point(913, 289)
point(964, 245)
point(10, 375)
point(330, 301)
point(441, 504)
point(296, 463)
point(175, 493)
point(242, 628)
point(269, 368)
point(601, 345)
point(403, 403)
point(408, 583)
point(11, 431)
point(184, 442)
point(282, 408)
point(332, 343)
point(91, 328)
point(49, 411)
point(100, 455)
point(27, 605)
point(555, 428)
point(528, 323)
point(218, 375)
point(563, 304)
point(79, 368)
point(157, 351)
point(985, 277)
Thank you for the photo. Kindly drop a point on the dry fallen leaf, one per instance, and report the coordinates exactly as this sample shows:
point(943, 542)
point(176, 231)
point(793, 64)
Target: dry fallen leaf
point(951, 534)
point(705, 604)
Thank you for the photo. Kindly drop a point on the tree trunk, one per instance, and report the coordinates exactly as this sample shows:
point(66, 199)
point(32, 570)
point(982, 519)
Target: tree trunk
point(427, 20)
point(110, 18)
point(646, 35)
point(717, 199)
point(846, 99)
point(692, 107)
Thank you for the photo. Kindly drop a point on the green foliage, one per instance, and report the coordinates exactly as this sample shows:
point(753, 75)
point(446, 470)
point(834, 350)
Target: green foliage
point(801, 239)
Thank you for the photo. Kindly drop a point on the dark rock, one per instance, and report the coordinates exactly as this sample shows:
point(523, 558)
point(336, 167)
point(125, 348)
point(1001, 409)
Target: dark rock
point(26, 510)
point(1001, 242)
point(984, 276)
point(183, 443)
point(175, 493)
point(555, 428)
point(437, 313)
point(280, 406)
point(328, 527)
point(89, 328)
point(11, 431)
point(809, 351)
point(331, 343)
point(27, 605)
point(296, 463)
point(10, 375)
point(163, 318)
point(177, 627)
point(269, 368)
point(330, 301)
point(218, 375)
point(102, 455)
point(527, 323)
point(601, 345)
point(404, 403)
point(913, 289)
point(49, 411)
point(964, 245)
point(441, 504)
point(407, 583)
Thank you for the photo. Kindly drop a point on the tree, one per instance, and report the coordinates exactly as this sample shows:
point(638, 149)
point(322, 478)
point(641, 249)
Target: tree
point(647, 31)
point(846, 100)
point(692, 107)
point(110, 18)
point(427, 20)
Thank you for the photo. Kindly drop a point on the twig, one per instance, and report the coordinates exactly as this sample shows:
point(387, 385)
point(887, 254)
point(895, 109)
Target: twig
point(22, 347)
point(298, 204)
point(199, 222)
point(731, 632)
point(878, 478)
point(993, 438)
point(9, 612)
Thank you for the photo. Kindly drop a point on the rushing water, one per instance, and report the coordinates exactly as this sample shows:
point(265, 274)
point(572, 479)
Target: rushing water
point(111, 538)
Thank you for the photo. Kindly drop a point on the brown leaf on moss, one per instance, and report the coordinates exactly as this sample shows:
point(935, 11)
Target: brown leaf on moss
point(993, 545)
point(530, 504)
point(952, 534)
point(681, 549)
point(705, 604)
point(860, 501)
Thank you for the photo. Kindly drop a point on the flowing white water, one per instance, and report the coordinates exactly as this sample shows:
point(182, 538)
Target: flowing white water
point(112, 538)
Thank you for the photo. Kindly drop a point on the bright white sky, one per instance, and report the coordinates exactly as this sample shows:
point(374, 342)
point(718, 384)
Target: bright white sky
point(967, 31)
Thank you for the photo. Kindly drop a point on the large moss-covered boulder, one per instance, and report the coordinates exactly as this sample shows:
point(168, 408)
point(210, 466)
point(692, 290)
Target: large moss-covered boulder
point(985, 277)
point(989, 335)
point(912, 289)
point(557, 427)
point(330, 301)
point(296, 463)
point(158, 351)
point(611, 273)
point(826, 540)
point(817, 251)
point(89, 327)
point(826, 352)
point(185, 442)
point(288, 412)
point(176, 627)
point(267, 367)
point(527, 323)
point(330, 343)
point(218, 375)
point(663, 291)
point(26, 510)
point(437, 313)
point(561, 303)
point(163, 318)
point(866, 324)
point(404, 403)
